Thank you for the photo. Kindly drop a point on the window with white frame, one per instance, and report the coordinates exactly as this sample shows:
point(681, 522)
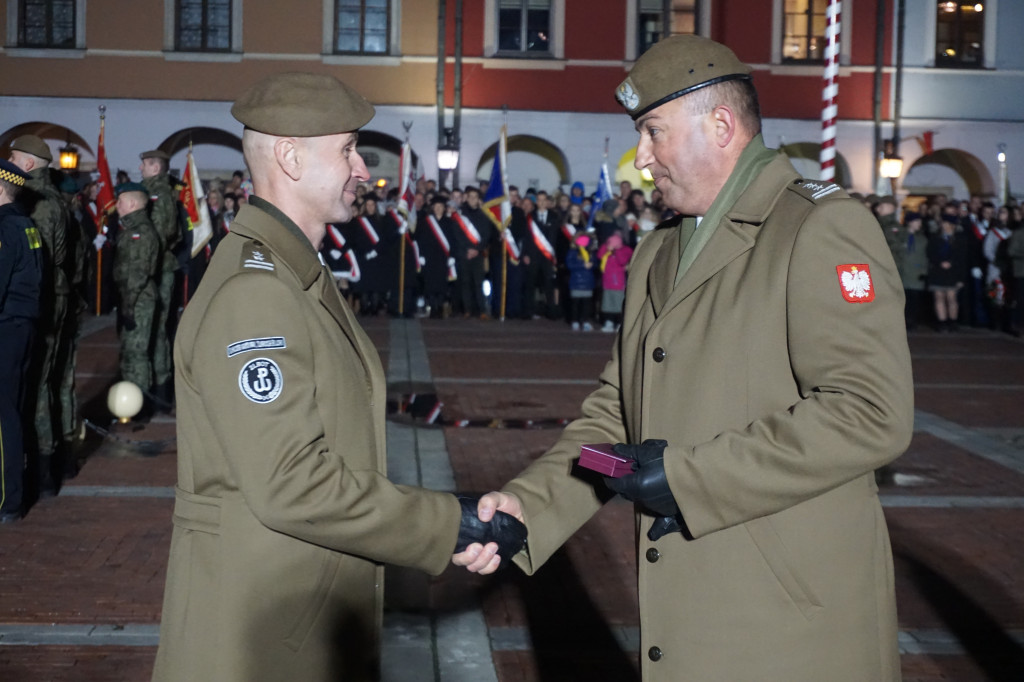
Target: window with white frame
point(49, 24)
point(960, 35)
point(657, 19)
point(524, 27)
point(803, 33)
point(362, 27)
point(203, 25)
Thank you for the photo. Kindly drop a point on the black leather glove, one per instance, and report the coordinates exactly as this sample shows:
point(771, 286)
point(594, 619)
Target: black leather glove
point(648, 485)
point(504, 529)
point(128, 322)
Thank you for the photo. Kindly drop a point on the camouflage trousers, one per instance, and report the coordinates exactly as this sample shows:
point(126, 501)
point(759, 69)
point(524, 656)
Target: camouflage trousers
point(64, 368)
point(162, 367)
point(137, 344)
point(43, 381)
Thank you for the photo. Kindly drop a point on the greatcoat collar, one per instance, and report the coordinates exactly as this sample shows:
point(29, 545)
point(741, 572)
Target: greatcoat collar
point(734, 235)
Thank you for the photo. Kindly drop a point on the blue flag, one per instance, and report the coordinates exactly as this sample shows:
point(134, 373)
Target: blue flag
point(603, 193)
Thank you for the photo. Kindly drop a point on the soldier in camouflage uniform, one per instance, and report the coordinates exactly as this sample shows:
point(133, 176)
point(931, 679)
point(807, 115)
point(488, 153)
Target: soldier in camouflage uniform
point(164, 214)
point(44, 204)
point(136, 271)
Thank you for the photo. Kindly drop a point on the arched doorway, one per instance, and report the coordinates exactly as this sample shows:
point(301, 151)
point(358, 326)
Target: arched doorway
point(56, 136)
point(952, 172)
point(532, 162)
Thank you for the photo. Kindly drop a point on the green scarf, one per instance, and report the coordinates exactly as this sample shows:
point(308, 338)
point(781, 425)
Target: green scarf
point(753, 159)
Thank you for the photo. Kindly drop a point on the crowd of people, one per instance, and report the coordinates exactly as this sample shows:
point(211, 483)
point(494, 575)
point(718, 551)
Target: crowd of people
point(967, 254)
point(560, 257)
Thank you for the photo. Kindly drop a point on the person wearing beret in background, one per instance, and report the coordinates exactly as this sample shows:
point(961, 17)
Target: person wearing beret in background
point(21, 273)
point(164, 213)
point(283, 512)
point(761, 375)
point(43, 203)
point(137, 268)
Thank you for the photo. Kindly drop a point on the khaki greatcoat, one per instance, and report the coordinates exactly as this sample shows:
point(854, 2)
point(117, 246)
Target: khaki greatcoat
point(778, 399)
point(283, 510)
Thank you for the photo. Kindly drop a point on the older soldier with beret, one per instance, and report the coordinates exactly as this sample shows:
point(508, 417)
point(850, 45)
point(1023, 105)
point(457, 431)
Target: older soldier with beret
point(284, 514)
point(21, 271)
point(136, 273)
point(46, 207)
point(760, 377)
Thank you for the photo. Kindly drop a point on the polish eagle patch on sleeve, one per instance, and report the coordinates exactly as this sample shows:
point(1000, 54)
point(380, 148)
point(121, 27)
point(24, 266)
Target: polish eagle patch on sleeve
point(855, 282)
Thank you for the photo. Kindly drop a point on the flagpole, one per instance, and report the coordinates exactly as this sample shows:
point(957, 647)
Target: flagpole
point(504, 235)
point(99, 231)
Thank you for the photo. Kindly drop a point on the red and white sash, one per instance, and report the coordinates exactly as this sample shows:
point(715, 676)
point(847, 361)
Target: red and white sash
point(569, 231)
point(543, 245)
point(353, 274)
point(371, 233)
point(435, 229)
point(467, 228)
point(510, 246)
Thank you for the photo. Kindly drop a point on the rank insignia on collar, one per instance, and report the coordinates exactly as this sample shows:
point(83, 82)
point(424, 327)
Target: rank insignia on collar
point(855, 282)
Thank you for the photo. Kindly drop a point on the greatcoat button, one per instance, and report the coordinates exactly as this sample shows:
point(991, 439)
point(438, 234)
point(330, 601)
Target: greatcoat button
point(654, 653)
point(653, 555)
point(659, 354)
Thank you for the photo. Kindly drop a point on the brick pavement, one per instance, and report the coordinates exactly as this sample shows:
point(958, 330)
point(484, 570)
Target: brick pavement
point(95, 555)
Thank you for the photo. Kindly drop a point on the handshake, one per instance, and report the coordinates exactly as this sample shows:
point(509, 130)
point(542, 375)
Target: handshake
point(502, 528)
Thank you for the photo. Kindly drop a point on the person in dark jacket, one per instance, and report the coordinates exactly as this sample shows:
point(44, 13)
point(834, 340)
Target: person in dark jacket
point(21, 271)
point(947, 258)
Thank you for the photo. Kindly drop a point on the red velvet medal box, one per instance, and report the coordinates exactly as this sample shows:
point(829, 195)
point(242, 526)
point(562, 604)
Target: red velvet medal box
point(601, 458)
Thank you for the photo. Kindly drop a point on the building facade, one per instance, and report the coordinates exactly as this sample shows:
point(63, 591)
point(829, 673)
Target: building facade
point(167, 72)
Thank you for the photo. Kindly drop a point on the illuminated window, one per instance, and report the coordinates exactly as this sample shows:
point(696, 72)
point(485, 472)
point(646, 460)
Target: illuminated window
point(46, 23)
point(524, 26)
point(203, 26)
point(681, 17)
point(362, 26)
point(960, 35)
point(803, 35)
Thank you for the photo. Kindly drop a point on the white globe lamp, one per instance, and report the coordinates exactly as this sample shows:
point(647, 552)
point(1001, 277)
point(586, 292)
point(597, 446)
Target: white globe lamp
point(124, 400)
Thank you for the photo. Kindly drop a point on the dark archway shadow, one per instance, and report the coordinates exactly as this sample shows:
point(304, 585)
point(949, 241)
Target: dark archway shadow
point(930, 568)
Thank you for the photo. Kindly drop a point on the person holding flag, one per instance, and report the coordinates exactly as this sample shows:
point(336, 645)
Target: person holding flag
point(199, 232)
point(100, 202)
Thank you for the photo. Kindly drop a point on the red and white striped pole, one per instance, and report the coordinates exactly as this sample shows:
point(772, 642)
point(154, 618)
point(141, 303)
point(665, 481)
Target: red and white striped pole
point(830, 92)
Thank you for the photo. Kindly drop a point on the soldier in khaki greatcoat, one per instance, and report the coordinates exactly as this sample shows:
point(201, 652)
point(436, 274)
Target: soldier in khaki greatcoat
point(761, 375)
point(136, 272)
point(283, 512)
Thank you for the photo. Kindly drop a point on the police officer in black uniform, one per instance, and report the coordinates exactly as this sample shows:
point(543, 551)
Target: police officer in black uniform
point(20, 277)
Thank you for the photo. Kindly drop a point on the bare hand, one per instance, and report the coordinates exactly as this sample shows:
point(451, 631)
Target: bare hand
point(484, 559)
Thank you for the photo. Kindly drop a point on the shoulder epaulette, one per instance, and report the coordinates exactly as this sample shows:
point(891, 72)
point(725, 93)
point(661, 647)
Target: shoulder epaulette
point(256, 256)
point(817, 190)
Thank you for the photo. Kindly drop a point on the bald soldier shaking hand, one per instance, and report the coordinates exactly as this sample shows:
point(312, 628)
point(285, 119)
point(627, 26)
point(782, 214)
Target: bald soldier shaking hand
point(760, 377)
point(283, 512)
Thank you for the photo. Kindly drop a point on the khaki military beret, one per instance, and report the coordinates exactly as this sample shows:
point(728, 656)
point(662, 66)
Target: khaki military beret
point(302, 105)
point(155, 154)
point(674, 67)
point(34, 145)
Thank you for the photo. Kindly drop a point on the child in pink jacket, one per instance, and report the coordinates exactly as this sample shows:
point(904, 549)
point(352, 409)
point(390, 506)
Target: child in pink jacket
point(614, 259)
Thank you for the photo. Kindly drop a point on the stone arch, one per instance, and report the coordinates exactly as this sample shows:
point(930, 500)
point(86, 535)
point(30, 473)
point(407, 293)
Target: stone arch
point(802, 152)
point(55, 135)
point(529, 144)
point(964, 166)
point(383, 153)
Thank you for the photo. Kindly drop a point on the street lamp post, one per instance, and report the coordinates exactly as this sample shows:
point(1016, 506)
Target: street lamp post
point(1001, 157)
point(447, 155)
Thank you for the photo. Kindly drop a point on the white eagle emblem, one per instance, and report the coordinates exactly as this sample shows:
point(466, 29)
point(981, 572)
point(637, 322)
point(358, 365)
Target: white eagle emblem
point(856, 283)
point(627, 96)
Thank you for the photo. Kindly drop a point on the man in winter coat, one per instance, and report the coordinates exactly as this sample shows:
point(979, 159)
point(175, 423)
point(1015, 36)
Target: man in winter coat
point(761, 375)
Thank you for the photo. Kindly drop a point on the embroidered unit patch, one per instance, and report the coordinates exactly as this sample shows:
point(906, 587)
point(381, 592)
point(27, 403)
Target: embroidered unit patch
point(260, 381)
point(265, 343)
point(855, 282)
